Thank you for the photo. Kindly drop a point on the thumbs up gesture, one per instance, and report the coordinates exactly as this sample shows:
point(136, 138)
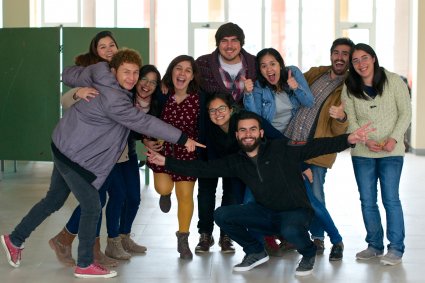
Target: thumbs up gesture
point(248, 84)
point(337, 112)
point(293, 84)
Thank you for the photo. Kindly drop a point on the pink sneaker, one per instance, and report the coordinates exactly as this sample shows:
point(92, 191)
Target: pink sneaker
point(94, 270)
point(13, 253)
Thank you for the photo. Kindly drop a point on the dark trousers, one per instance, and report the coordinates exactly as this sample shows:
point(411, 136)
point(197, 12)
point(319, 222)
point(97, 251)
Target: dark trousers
point(293, 225)
point(65, 180)
point(233, 193)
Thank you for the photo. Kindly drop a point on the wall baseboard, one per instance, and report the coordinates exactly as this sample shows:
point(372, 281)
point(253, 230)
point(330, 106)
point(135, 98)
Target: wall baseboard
point(418, 151)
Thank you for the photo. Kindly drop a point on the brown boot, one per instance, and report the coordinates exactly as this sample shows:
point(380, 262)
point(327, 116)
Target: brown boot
point(115, 250)
point(62, 245)
point(183, 245)
point(100, 258)
point(130, 246)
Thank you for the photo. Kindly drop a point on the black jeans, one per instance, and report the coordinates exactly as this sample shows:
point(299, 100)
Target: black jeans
point(233, 193)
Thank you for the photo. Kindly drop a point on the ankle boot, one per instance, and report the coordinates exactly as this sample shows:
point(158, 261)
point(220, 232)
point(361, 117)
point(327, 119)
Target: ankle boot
point(62, 245)
point(100, 258)
point(183, 245)
point(115, 250)
point(130, 246)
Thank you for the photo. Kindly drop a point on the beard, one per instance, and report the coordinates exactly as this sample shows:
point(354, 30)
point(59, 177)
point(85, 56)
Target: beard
point(339, 72)
point(251, 147)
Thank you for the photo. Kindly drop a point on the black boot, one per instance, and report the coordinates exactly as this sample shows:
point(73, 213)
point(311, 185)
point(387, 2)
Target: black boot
point(183, 245)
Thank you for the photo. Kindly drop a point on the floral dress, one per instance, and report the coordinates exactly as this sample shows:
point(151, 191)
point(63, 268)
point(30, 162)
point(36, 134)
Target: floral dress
point(183, 116)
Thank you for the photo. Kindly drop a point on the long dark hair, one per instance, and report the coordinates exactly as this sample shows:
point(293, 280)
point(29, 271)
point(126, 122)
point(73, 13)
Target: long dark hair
point(193, 86)
point(282, 83)
point(92, 57)
point(355, 83)
point(156, 105)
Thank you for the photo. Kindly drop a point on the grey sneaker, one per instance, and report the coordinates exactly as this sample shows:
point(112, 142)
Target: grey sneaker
point(305, 267)
point(390, 259)
point(205, 242)
point(251, 260)
point(369, 253)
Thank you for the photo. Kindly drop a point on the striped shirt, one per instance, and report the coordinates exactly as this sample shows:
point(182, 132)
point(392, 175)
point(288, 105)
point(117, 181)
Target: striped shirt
point(303, 125)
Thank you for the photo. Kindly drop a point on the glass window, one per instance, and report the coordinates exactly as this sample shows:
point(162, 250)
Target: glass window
point(385, 33)
point(130, 13)
point(61, 11)
point(248, 21)
point(105, 16)
point(207, 11)
point(317, 32)
point(1, 13)
point(356, 11)
point(290, 35)
point(204, 41)
point(171, 33)
point(357, 35)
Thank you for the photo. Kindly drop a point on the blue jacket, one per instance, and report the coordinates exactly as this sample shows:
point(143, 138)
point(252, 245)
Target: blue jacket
point(93, 135)
point(262, 100)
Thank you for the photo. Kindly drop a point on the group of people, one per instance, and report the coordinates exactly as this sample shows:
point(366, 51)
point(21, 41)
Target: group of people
point(270, 131)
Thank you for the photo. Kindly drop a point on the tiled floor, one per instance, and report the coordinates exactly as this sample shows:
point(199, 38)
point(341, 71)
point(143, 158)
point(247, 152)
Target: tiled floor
point(19, 191)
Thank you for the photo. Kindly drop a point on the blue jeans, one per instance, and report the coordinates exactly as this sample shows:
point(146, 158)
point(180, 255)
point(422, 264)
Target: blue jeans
point(388, 171)
point(322, 218)
point(319, 174)
point(249, 197)
point(124, 197)
point(63, 181)
point(233, 193)
point(236, 220)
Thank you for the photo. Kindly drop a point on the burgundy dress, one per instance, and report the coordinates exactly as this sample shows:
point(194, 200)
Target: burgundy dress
point(183, 116)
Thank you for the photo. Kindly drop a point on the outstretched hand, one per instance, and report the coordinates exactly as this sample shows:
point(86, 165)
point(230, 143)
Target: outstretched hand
point(155, 158)
point(361, 134)
point(191, 145)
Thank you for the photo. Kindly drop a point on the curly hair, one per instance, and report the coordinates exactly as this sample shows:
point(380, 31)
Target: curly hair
point(125, 55)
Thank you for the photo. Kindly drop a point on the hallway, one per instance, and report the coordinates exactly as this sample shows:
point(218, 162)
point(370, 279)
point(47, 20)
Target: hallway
point(19, 191)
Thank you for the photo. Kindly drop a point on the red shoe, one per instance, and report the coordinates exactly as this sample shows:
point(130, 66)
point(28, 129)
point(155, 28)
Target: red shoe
point(94, 270)
point(272, 247)
point(13, 253)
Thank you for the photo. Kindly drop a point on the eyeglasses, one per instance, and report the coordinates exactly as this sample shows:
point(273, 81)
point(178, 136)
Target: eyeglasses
point(220, 109)
point(360, 60)
point(147, 81)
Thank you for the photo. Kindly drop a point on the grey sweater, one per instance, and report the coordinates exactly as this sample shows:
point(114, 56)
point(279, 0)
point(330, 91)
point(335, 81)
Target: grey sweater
point(94, 134)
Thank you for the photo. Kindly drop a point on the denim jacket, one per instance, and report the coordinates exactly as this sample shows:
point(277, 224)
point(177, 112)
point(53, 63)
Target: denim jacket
point(262, 100)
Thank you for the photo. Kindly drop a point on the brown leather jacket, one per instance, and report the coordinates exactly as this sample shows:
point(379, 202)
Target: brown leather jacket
point(326, 126)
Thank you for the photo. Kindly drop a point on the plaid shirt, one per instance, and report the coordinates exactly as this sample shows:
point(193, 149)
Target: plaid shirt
point(303, 124)
point(236, 86)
